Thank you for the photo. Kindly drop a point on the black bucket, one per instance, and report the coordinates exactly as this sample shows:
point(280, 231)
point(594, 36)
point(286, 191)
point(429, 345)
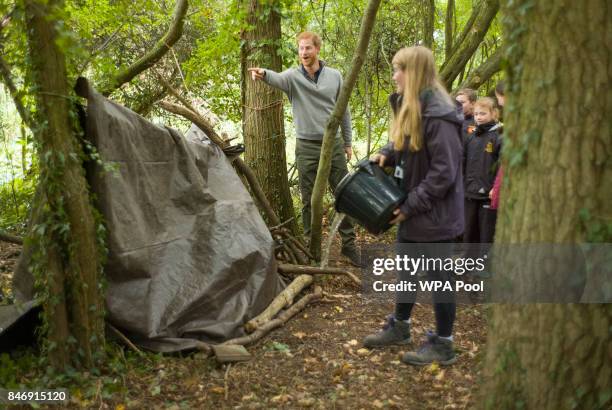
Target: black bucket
point(369, 196)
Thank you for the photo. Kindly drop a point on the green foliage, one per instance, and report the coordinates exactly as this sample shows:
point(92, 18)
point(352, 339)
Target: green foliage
point(15, 199)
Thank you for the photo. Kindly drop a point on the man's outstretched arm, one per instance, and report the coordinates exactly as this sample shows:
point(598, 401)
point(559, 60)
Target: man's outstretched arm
point(272, 78)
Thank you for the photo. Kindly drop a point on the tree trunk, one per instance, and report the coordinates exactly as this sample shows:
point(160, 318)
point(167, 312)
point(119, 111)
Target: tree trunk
point(470, 39)
point(449, 29)
point(68, 258)
point(429, 17)
point(558, 168)
point(367, 24)
point(262, 113)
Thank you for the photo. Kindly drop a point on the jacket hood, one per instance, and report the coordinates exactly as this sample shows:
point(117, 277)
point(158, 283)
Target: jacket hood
point(435, 105)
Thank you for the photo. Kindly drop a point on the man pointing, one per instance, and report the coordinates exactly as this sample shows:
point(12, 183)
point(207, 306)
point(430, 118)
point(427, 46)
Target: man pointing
point(312, 89)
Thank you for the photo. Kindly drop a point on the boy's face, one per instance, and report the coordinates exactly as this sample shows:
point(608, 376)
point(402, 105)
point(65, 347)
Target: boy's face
point(482, 115)
point(468, 106)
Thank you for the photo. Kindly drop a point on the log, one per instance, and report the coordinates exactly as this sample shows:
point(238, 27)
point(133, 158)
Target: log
point(279, 321)
point(312, 270)
point(7, 237)
point(284, 299)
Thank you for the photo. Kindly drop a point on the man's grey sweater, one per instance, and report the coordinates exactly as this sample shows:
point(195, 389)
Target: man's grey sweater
point(312, 103)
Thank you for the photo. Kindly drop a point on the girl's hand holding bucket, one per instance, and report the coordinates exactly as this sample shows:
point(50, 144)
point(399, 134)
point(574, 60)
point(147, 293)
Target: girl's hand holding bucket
point(399, 217)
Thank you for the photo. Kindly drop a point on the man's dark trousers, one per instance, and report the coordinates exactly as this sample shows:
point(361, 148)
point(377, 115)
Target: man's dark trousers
point(307, 154)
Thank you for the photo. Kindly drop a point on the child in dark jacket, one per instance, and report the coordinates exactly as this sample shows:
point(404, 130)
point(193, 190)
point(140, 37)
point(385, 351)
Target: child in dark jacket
point(467, 98)
point(426, 151)
point(481, 160)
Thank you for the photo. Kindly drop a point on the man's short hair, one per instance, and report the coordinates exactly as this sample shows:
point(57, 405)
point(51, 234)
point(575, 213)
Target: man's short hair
point(309, 35)
point(469, 93)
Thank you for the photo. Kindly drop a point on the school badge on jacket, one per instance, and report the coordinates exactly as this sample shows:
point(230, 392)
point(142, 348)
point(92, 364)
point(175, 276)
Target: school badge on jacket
point(489, 147)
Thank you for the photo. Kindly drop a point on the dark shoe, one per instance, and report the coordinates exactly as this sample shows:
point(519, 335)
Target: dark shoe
point(395, 332)
point(353, 256)
point(435, 349)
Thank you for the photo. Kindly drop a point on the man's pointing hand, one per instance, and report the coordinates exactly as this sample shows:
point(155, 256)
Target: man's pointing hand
point(257, 73)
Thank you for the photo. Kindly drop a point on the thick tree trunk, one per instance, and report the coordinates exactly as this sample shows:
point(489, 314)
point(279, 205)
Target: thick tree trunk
point(468, 42)
point(367, 24)
point(558, 169)
point(68, 259)
point(429, 17)
point(262, 114)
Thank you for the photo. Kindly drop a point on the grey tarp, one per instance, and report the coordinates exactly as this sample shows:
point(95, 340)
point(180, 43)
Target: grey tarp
point(190, 258)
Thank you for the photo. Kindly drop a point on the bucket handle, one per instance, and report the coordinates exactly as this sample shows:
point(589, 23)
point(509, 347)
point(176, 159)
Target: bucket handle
point(367, 166)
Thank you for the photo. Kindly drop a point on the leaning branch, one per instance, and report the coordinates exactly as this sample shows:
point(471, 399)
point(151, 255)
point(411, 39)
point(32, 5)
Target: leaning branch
point(465, 49)
point(159, 50)
point(279, 321)
point(281, 301)
point(195, 118)
point(313, 270)
point(324, 168)
point(484, 72)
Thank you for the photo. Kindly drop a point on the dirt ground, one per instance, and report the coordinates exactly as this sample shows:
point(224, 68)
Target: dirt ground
point(315, 361)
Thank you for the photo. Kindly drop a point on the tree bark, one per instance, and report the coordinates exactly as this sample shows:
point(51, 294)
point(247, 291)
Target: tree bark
point(262, 111)
point(471, 37)
point(449, 29)
point(557, 169)
point(484, 72)
point(367, 24)
point(429, 18)
point(69, 257)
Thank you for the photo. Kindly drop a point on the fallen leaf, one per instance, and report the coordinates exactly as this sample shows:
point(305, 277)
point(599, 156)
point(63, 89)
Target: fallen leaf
point(433, 368)
point(120, 407)
point(440, 376)
point(353, 342)
point(378, 404)
point(339, 309)
point(299, 335)
point(363, 352)
point(217, 390)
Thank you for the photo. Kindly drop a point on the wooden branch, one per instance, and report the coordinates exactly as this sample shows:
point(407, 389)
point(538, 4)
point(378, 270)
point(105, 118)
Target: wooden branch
point(279, 321)
point(484, 72)
point(178, 95)
point(313, 270)
point(465, 48)
point(327, 147)
point(282, 300)
point(195, 118)
point(7, 237)
point(157, 52)
point(124, 338)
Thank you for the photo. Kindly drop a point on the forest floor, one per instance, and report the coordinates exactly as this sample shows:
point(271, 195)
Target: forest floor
point(315, 361)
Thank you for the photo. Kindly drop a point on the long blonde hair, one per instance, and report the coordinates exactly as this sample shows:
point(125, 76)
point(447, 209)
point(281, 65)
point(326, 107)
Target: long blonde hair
point(420, 73)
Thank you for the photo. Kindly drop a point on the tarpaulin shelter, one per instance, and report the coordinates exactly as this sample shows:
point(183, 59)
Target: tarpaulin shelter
point(190, 258)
